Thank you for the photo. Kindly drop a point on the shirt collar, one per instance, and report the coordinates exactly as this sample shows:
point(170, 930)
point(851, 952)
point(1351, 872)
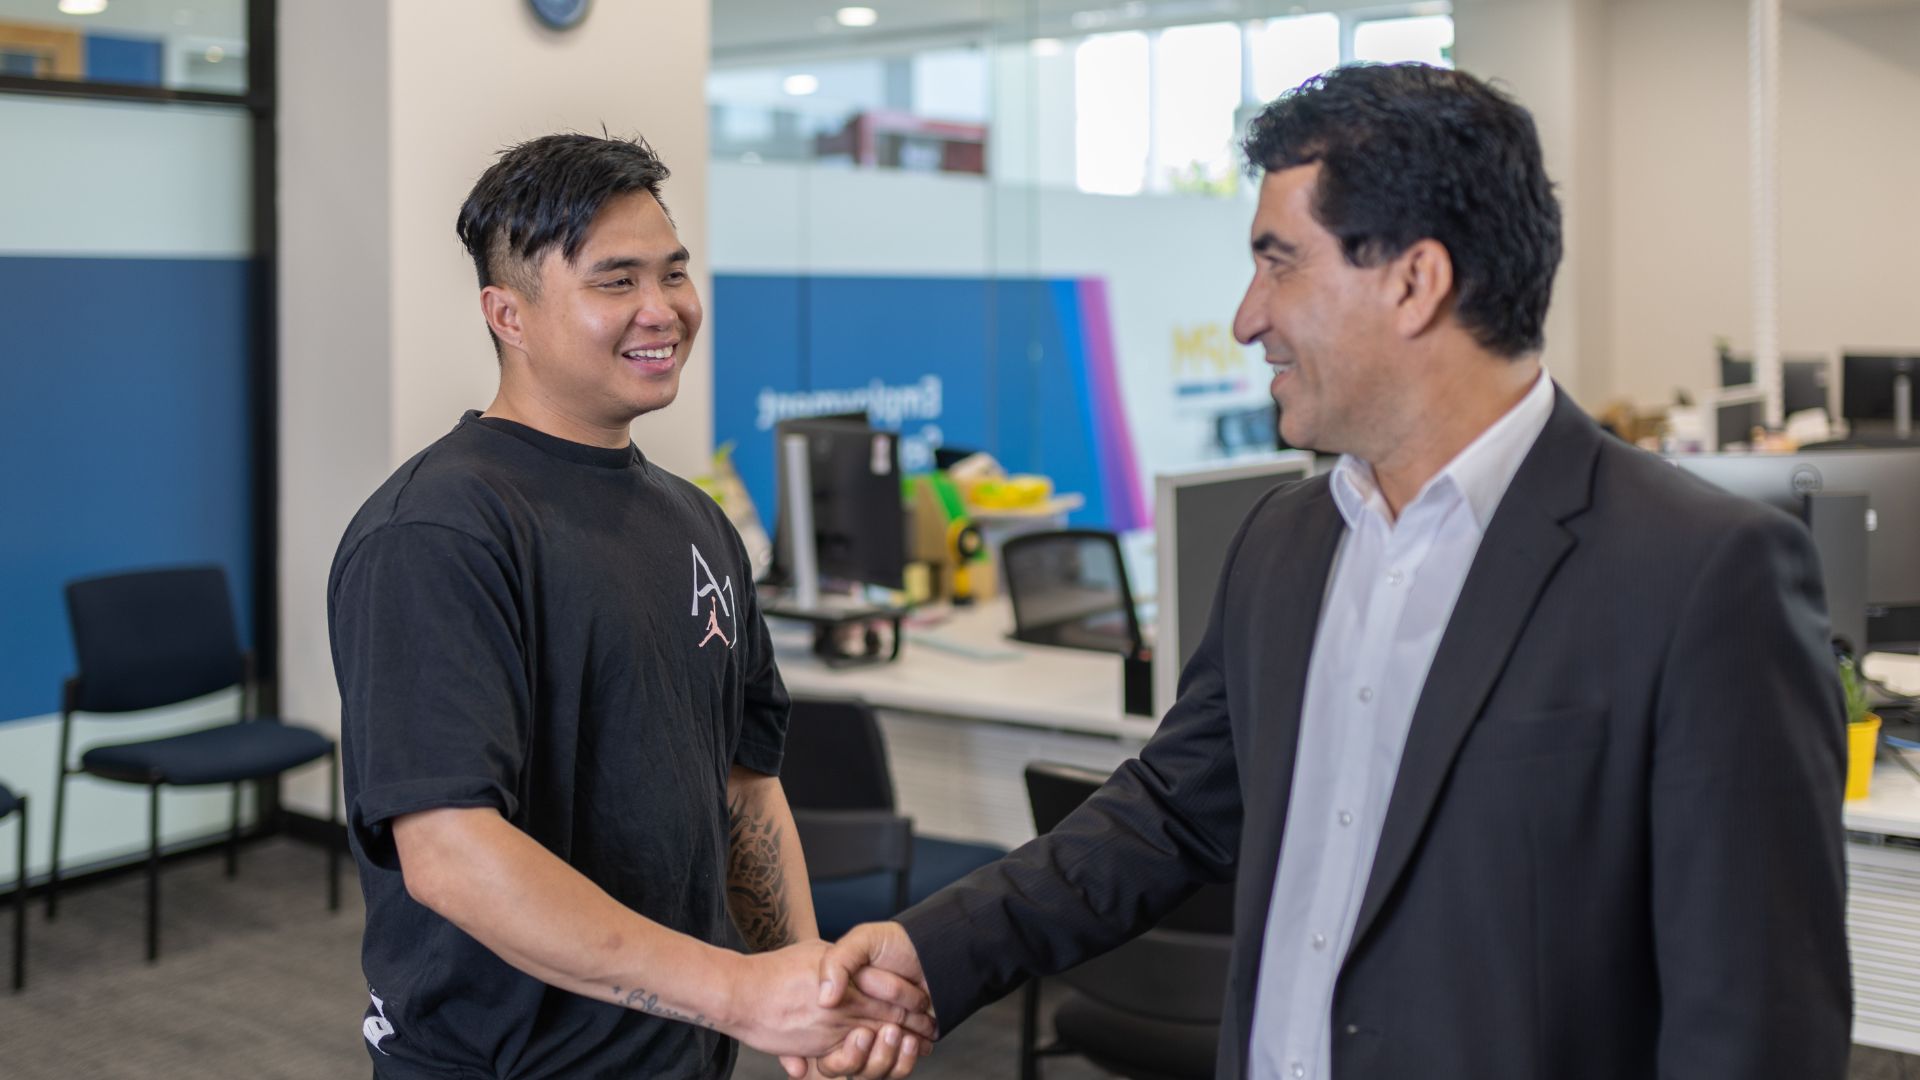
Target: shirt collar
point(1480, 473)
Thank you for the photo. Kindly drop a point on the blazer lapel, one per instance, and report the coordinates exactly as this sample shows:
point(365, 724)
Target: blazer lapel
point(1277, 641)
point(1525, 542)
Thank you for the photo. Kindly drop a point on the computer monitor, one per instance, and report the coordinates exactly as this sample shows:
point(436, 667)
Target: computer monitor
point(1196, 513)
point(1737, 413)
point(1889, 478)
point(857, 519)
point(1253, 430)
point(1876, 392)
point(1803, 381)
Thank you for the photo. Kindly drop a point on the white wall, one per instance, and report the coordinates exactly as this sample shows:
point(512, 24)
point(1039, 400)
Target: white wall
point(1678, 189)
point(391, 109)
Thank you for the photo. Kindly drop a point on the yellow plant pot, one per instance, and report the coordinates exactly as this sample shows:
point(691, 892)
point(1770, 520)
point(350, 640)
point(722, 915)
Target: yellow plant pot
point(1862, 739)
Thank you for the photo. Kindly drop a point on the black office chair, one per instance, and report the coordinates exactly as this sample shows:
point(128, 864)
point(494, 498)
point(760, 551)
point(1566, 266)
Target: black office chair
point(156, 638)
point(12, 803)
point(1069, 588)
point(863, 859)
point(1150, 1009)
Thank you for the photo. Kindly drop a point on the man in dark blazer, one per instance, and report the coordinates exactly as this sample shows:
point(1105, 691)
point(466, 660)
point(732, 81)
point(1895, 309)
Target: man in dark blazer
point(1521, 746)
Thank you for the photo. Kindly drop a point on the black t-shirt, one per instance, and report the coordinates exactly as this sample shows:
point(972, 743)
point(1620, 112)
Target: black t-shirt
point(567, 634)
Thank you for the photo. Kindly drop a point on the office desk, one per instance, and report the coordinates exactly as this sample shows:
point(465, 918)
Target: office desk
point(964, 711)
point(961, 728)
point(1883, 890)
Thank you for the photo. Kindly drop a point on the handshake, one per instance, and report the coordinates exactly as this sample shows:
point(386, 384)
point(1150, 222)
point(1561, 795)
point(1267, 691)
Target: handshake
point(857, 1008)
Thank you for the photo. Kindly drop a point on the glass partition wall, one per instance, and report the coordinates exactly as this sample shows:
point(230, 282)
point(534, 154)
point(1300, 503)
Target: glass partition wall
point(1016, 226)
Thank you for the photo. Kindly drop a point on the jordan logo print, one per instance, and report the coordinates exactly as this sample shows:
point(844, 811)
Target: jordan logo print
point(719, 601)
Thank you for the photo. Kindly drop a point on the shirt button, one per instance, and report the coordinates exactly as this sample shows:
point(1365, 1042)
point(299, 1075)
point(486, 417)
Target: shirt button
point(1298, 1069)
point(1366, 694)
point(1319, 941)
point(1396, 576)
point(1346, 818)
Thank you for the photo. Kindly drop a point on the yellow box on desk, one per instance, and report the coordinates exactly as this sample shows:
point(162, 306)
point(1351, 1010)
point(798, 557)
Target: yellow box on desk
point(1863, 739)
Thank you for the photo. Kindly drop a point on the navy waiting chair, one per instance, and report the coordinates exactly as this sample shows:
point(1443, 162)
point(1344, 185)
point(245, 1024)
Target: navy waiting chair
point(863, 859)
point(9, 804)
point(160, 637)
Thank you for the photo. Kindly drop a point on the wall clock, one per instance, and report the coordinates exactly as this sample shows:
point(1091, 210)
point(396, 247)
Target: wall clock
point(560, 14)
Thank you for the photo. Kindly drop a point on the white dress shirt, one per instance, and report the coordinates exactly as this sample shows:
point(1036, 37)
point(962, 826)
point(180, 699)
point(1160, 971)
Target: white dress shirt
point(1390, 596)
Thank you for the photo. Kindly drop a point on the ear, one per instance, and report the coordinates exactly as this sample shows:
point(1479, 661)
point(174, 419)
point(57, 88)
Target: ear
point(502, 307)
point(1421, 280)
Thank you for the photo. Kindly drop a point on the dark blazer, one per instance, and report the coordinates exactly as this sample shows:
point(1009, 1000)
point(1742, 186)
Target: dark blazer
point(1614, 847)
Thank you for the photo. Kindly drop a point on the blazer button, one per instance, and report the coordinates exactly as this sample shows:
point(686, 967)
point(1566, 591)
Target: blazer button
point(1353, 1029)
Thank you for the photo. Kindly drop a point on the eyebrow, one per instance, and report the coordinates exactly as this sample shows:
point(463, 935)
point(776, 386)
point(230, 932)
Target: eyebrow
point(634, 262)
point(1269, 244)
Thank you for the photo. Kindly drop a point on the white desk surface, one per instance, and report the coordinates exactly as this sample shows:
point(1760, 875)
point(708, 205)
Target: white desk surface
point(1035, 686)
point(1892, 805)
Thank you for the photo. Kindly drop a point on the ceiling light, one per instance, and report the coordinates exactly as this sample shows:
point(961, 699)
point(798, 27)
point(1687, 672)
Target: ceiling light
point(799, 85)
point(856, 16)
point(1046, 46)
point(82, 7)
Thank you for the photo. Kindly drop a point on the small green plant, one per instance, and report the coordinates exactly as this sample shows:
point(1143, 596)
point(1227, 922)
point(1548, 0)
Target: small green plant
point(1850, 681)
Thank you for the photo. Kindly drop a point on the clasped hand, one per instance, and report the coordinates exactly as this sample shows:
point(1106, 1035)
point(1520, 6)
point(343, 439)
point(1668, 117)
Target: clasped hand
point(859, 1008)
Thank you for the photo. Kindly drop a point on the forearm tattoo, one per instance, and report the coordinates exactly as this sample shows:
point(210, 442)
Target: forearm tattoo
point(636, 998)
point(756, 879)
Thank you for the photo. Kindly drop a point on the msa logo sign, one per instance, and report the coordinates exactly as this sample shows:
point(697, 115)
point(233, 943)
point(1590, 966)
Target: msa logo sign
point(715, 601)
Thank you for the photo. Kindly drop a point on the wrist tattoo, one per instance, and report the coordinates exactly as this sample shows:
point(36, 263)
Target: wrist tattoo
point(756, 879)
point(636, 998)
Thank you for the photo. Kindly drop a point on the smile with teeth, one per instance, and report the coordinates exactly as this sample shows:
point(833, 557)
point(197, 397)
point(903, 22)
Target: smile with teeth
point(663, 353)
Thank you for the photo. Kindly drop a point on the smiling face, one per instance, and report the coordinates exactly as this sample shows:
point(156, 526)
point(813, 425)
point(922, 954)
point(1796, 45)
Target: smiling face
point(605, 338)
point(1324, 324)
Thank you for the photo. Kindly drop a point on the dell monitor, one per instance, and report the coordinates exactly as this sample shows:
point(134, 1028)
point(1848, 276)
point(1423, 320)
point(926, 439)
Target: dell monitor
point(854, 511)
point(1890, 481)
point(1196, 513)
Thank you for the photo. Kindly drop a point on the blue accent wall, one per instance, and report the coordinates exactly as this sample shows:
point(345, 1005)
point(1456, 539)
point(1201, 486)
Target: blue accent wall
point(1008, 352)
point(123, 441)
point(134, 61)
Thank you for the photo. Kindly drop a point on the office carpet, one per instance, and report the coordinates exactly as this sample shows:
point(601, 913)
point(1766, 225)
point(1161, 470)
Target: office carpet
point(256, 981)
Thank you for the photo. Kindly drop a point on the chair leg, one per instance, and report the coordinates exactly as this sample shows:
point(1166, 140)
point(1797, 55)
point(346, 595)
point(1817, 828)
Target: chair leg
point(153, 873)
point(233, 837)
point(20, 907)
point(1030, 1031)
point(333, 816)
point(59, 818)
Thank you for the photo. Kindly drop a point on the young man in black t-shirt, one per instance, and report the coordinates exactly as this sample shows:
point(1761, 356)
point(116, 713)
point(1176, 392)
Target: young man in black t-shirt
point(562, 720)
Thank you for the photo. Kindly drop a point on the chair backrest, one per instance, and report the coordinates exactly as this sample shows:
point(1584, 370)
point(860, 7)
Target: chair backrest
point(152, 638)
point(836, 758)
point(1070, 588)
point(1055, 790)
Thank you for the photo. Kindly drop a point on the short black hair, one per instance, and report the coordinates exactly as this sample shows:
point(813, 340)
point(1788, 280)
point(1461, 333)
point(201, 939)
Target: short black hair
point(1410, 152)
point(545, 193)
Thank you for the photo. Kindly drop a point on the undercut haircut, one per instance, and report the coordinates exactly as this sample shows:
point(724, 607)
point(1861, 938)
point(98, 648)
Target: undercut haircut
point(544, 194)
point(1410, 152)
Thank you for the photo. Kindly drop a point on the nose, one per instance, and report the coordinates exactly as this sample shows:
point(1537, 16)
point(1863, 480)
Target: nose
point(655, 312)
point(1250, 322)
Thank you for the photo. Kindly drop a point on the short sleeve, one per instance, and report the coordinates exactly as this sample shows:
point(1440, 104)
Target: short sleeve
point(434, 696)
point(763, 728)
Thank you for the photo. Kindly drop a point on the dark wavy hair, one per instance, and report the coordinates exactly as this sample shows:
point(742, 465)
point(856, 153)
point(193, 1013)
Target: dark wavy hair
point(1409, 152)
point(545, 193)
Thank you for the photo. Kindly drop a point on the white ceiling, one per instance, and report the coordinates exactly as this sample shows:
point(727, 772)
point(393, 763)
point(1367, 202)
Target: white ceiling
point(743, 29)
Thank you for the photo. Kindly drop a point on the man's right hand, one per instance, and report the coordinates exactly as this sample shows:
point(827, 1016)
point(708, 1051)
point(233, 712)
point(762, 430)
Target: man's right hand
point(870, 956)
point(778, 1006)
